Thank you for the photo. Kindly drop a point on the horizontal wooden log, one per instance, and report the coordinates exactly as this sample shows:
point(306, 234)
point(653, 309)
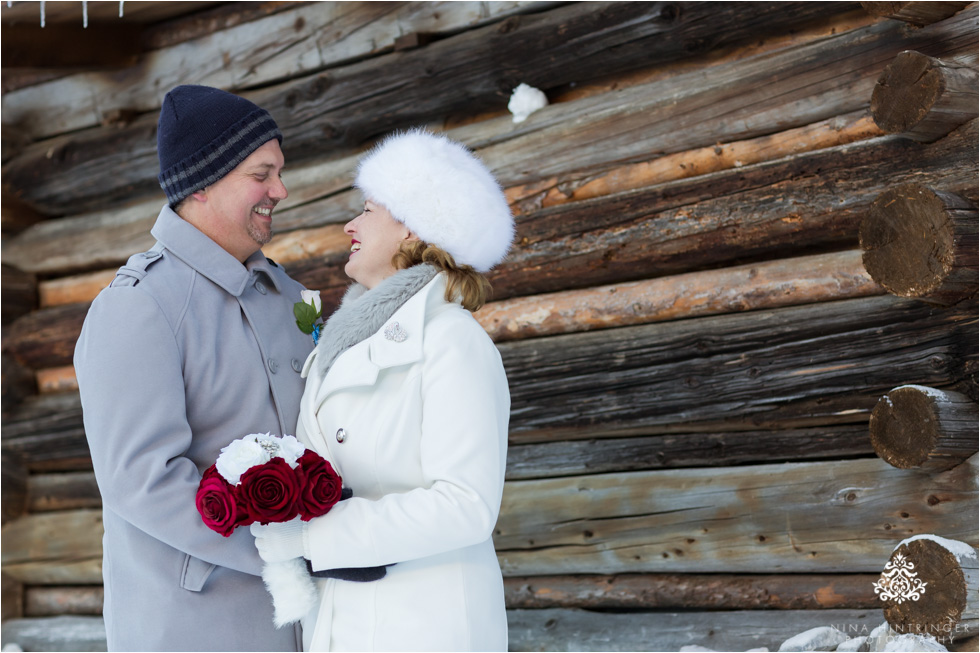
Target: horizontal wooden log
point(19, 293)
point(18, 384)
point(86, 571)
point(14, 482)
point(803, 280)
point(306, 38)
point(98, 46)
point(65, 633)
point(915, 11)
point(692, 592)
point(57, 379)
point(914, 427)
point(47, 432)
point(923, 98)
point(583, 630)
point(46, 338)
point(346, 106)
point(929, 587)
point(922, 242)
point(67, 600)
point(52, 537)
point(754, 519)
point(11, 598)
point(792, 367)
point(839, 130)
point(64, 491)
point(596, 456)
point(562, 133)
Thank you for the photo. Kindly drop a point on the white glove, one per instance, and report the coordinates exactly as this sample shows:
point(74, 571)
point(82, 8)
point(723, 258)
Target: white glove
point(280, 542)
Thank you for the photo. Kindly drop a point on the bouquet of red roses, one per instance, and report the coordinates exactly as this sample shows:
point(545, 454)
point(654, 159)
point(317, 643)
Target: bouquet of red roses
point(267, 479)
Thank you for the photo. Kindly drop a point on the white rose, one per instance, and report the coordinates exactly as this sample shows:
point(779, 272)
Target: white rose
point(311, 297)
point(290, 449)
point(239, 456)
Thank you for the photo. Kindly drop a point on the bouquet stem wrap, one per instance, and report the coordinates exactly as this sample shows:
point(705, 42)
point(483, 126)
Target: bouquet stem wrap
point(294, 592)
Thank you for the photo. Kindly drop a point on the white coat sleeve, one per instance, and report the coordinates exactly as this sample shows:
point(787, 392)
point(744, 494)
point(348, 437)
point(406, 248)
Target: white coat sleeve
point(130, 378)
point(465, 415)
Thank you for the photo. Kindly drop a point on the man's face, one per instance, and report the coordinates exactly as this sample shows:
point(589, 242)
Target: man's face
point(239, 206)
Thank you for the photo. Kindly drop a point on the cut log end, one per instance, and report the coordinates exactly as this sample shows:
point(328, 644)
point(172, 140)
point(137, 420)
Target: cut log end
point(918, 243)
point(917, 13)
point(923, 98)
point(929, 589)
point(918, 427)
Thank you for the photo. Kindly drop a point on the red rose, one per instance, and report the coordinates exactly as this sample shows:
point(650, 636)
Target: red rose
point(271, 492)
point(217, 503)
point(320, 485)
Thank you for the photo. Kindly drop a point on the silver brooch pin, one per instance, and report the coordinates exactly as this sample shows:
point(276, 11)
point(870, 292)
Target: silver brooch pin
point(395, 332)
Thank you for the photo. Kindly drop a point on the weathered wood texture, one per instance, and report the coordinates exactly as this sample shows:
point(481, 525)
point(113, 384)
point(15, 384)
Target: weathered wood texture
point(596, 456)
point(348, 105)
point(14, 484)
point(303, 39)
point(920, 242)
point(56, 379)
point(65, 491)
point(18, 383)
point(802, 280)
point(19, 292)
point(53, 548)
point(947, 605)
point(753, 519)
point(11, 598)
point(583, 630)
point(46, 338)
point(692, 592)
point(64, 633)
point(793, 367)
point(916, 12)
point(917, 427)
point(923, 98)
point(53, 601)
point(47, 432)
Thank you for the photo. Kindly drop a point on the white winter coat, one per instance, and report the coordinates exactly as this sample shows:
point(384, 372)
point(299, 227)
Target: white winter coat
point(423, 424)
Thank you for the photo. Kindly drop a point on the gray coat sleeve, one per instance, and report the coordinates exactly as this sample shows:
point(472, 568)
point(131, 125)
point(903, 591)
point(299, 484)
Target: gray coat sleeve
point(130, 375)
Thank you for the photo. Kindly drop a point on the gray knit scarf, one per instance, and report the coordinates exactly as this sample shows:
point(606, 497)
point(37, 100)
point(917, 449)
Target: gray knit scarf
point(362, 312)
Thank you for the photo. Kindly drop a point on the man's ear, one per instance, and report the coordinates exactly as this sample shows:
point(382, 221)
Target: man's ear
point(201, 195)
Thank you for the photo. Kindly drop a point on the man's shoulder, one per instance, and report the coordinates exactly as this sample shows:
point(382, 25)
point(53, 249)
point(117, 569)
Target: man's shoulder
point(156, 273)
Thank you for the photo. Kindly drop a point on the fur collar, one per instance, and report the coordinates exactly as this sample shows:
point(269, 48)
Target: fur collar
point(363, 312)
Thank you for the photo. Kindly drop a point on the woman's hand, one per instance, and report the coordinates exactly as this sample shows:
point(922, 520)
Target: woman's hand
point(280, 542)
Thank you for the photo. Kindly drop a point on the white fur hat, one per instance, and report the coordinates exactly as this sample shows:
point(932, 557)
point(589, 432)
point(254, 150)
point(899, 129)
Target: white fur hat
point(443, 193)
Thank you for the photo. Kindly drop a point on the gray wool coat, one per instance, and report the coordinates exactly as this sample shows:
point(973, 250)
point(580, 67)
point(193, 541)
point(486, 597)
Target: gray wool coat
point(184, 352)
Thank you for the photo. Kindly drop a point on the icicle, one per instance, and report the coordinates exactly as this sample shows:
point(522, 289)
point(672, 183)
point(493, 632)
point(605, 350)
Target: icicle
point(84, 13)
point(121, 8)
point(42, 13)
point(10, 3)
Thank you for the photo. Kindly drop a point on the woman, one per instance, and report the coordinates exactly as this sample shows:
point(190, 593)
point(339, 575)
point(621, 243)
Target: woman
point(406, 396)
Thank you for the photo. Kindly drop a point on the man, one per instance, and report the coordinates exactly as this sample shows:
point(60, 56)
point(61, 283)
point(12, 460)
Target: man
point(193, 345)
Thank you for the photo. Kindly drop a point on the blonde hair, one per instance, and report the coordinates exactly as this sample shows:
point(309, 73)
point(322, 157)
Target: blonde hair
point(464, 282)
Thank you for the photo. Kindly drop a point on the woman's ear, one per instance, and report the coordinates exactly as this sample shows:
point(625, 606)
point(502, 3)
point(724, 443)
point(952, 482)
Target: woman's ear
point(410, 236)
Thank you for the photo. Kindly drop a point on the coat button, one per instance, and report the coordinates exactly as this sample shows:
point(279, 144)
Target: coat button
point(273, 365)
point(341, 435)
point(297, 366)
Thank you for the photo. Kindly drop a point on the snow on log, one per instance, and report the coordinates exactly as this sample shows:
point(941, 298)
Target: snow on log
point(923, 98)
point(920, 242)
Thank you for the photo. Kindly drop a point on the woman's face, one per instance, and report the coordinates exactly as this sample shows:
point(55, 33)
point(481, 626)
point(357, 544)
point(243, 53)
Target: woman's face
point(375, 238)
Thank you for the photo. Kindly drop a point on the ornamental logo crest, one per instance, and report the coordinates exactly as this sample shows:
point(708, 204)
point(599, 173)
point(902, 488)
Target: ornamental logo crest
point(899, 581)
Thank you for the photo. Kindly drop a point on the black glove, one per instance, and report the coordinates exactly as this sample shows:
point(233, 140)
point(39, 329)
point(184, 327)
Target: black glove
point(356, 574)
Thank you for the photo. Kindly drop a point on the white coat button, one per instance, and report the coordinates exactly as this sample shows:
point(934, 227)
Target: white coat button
point(273, 365)
point(297, 366)
point(341, 435)
point(260, 287)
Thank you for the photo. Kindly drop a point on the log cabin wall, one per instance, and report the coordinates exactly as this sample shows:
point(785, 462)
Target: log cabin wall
point(738, 246)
